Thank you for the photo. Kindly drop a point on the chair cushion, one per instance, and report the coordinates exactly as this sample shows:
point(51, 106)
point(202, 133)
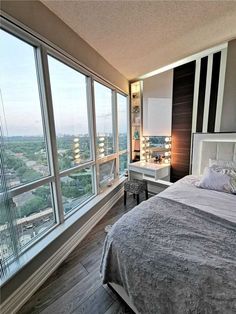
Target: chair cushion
point(135, 186)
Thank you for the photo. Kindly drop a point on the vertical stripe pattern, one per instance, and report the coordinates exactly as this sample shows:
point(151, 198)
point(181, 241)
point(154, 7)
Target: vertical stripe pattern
point(208, 92)
point(214, 92)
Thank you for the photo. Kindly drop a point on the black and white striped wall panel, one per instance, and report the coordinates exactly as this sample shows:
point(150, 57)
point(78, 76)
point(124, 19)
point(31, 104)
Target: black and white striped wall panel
point(208, 92)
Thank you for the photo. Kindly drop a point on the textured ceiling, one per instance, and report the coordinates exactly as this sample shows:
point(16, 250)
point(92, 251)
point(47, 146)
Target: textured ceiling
point(137, 37)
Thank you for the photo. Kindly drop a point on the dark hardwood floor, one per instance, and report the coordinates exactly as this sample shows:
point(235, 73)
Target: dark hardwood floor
point(76, 287)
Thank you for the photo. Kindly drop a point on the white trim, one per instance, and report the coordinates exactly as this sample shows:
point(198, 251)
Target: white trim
point(195, 95)
point(207, 93)
point(198, 155)
point(27, 289)
point(220, 96)
point(194, 57)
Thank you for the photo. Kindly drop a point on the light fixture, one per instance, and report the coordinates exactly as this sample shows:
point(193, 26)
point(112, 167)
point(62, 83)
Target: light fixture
point(167, 154)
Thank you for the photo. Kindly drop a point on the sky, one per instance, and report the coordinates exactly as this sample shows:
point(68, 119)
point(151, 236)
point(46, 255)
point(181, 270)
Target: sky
point(20, 100)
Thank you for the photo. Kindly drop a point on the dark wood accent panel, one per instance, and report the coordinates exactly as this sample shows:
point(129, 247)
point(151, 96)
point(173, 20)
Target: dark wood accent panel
point(214, 91)
point(183, 87)
point(201, 96)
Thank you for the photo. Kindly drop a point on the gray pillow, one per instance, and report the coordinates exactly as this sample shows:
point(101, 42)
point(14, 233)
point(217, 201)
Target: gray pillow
point(214, 180)
point(231, 186)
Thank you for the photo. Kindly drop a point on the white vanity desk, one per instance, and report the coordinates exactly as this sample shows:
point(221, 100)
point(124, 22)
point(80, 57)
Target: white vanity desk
point(150, 171)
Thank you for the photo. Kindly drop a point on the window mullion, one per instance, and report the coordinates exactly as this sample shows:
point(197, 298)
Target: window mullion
point(115, 130)
point(79, 167)
point(92, 127)
point(50, 129)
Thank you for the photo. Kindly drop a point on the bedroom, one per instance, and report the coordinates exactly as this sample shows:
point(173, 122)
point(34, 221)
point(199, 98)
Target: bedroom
point(84, 106)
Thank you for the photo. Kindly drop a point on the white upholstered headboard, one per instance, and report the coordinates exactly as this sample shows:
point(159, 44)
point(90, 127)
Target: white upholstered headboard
point(218, 146)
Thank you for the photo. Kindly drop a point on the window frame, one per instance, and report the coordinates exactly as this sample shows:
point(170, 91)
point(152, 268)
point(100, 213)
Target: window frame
point(124, 151)
point(44, 48)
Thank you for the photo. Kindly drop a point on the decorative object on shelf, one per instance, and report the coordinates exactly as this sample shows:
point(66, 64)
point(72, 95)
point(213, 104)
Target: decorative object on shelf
point(136, 135)
point(136, 109)
point(158, 159)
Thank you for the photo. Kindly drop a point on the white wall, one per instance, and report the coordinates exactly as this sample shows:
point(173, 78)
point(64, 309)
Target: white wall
point(157, 117)
point(157, 104)
point(228, 118)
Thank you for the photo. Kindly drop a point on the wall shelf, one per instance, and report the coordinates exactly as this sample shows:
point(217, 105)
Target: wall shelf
point(136, 120)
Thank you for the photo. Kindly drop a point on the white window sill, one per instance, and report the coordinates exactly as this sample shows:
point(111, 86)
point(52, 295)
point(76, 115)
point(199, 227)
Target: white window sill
point(55, 232)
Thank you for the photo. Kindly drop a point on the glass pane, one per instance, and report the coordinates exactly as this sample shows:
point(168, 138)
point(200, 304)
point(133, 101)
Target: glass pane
point(123, 163)
point(69, 97)
point(34, 214)
point(106, 173)
point(6, 244)
point(25, 155)
point(76, 188)
point(104, 125)
point(122, 110)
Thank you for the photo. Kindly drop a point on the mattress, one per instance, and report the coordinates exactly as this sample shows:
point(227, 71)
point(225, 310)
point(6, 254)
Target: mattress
point(218, 203)
point(176, 253)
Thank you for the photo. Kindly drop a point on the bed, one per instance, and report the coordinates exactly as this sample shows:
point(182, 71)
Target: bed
point(176, 252)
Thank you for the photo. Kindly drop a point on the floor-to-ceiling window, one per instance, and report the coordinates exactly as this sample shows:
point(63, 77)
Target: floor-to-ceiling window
point(73, 135)
point(27, 210)
point(63, 140)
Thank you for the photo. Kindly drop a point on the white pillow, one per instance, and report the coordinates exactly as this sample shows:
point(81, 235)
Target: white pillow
point(222, 163)
point(213, 180)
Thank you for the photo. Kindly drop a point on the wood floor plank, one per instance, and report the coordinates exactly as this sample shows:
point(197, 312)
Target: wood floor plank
point(75, 296)
point(55, 289)
point(97, 303)
point(92, 261)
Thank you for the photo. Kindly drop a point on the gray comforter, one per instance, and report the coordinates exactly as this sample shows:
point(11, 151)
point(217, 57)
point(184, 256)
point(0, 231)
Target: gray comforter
point(173, 258)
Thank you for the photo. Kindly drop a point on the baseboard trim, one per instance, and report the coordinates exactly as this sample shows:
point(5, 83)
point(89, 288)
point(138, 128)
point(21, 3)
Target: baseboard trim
point(29, 287)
